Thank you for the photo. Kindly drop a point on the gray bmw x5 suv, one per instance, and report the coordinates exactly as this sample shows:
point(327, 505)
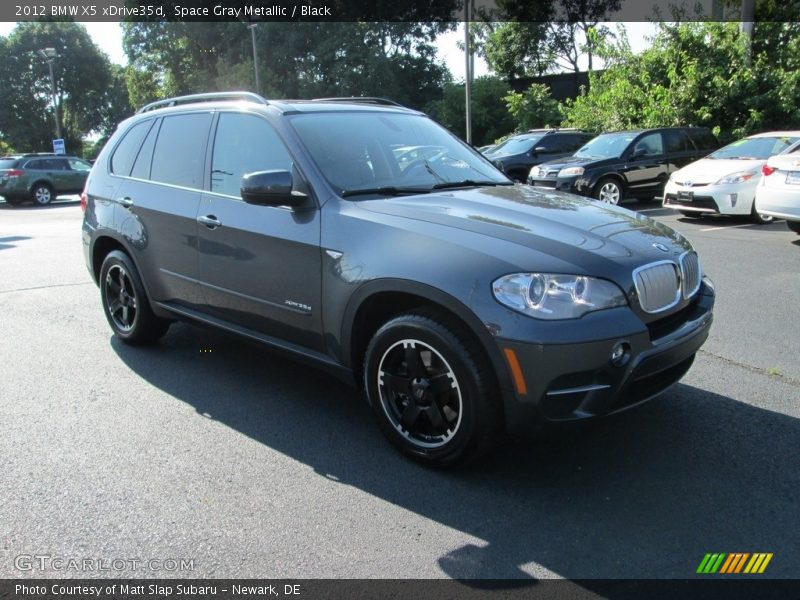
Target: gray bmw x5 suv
point(362, 237)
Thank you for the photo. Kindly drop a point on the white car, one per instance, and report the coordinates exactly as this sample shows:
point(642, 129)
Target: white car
point(778, 194)
point(725, 181)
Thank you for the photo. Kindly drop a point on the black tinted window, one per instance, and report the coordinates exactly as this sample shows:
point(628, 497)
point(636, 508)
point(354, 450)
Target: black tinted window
point(36, 164)
point(122, 159)
point(649, 145)
point(703, 139)
point(244, 144)
point(58, 164)
point(677, 141)
point(180, 150)
point(141, 168)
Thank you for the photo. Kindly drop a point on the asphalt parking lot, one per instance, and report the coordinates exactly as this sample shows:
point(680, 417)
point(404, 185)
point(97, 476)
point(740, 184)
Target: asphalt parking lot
point(241, 463)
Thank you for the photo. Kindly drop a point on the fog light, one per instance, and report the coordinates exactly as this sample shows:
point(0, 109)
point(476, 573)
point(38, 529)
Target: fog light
point(621, 354)
point(733, 199)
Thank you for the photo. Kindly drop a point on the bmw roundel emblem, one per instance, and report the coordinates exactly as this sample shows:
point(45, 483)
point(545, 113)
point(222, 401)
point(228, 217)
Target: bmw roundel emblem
point(660, 246)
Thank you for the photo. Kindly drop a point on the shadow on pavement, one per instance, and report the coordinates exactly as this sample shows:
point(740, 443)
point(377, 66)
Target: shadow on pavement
point(8, 242)
point(642, 495)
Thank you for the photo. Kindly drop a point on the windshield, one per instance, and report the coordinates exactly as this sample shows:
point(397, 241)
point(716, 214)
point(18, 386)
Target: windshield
point(516, 145)
point(607, 145)
point(388, 153)
point(760, 148)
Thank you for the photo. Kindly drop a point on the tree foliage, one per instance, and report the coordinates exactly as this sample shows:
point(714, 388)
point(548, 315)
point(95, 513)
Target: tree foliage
point(534, 108)
point(698, 74)
point(491, 119)
point(301, 60)
point(83, 79)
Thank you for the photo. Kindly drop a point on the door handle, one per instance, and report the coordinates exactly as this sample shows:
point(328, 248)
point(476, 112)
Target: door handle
point(210, 221)
point(125, 201)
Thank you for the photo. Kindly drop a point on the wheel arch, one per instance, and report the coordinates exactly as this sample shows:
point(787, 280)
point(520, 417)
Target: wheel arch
point(377, 302)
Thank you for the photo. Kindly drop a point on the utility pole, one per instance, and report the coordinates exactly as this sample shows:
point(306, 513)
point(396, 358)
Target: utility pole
point(746, 25)
point(468, 71)
point(252, 28)
point(49, 55)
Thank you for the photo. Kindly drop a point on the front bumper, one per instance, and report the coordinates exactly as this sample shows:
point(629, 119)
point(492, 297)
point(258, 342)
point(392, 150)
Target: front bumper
point(573, 185)
point(731, 199)
point(572, 382)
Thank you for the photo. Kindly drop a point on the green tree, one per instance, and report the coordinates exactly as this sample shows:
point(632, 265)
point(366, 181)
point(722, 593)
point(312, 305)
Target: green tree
point(698, 74)
point(82, 76)
point(301, 60)
point(534, 108)
point(491, 118)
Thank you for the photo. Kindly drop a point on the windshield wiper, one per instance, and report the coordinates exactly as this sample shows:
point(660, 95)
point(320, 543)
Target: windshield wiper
point(467, 183)
point(389, 190)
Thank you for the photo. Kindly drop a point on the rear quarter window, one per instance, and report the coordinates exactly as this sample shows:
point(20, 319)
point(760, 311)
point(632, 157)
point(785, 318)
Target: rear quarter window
point(126, 150)
point(179, 155)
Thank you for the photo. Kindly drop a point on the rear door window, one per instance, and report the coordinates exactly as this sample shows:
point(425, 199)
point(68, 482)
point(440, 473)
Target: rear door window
point(179, 153)
point(677, 141)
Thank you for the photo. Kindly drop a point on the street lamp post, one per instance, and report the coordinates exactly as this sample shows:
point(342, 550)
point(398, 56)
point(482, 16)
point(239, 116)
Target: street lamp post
point(252, 28)
point(49, 55)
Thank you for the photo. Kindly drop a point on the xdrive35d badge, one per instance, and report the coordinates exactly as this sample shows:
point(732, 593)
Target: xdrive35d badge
point(464, 307)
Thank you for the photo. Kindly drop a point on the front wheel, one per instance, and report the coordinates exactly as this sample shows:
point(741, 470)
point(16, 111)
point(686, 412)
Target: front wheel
point(431, 389)
point(42, 194)
point(125, 303)
point(609, 190)
point(794, 226)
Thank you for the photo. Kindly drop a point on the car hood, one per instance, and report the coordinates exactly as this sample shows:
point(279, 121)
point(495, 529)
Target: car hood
point(589, 235)
point(578, 161)
point(711, 170)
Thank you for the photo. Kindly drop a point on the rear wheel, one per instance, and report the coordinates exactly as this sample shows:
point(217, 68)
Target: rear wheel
point(431, 389)
point(758, 217)
point(794, 226)
point(42, 194)
point(609, 190)
point(125, 303)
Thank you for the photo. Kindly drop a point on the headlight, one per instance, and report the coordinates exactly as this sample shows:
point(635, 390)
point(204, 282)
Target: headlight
point(570, 171)
point(553, 296)
point(739, 177)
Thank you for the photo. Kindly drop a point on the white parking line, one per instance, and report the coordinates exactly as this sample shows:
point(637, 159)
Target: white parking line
point(727, 227)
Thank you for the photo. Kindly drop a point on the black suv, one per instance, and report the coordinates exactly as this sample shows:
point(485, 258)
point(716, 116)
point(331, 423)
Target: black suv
point(41, 177)
point(516, 155)
point(465, 305)
point(622, 164)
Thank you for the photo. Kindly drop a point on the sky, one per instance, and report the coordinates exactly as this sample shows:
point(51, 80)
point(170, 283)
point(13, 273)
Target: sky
point(108, 37)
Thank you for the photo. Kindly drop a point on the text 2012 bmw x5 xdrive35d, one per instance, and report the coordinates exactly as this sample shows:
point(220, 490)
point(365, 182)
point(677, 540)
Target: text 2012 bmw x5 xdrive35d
point(465, 305)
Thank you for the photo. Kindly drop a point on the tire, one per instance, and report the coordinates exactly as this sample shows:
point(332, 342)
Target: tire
point(690, 214)
point(439, 403)
point(756, 217)
point(609, 190)
point(125, 302)
point(41, 194)
point(14, 200)
point(794, 226)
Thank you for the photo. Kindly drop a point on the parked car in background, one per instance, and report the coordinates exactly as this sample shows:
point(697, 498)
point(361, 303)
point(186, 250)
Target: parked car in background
point(516, 155)
point(778, 192)
point(625, 164)
point(486, 149)
point(464, 306)
point(41, 177)
point(725, 182)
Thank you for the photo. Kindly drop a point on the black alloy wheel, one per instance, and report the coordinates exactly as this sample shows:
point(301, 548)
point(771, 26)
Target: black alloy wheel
point(125, 303)
point(430, 389)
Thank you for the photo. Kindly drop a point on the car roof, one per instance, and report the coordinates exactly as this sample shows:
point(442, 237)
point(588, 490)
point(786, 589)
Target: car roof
point(217, 100)
point(776, 134)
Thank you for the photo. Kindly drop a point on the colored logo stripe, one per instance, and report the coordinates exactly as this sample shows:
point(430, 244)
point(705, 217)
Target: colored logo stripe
point(734, 562)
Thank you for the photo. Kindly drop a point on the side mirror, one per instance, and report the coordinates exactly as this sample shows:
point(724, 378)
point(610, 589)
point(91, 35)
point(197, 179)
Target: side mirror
point(540, 150)
point(271, 188)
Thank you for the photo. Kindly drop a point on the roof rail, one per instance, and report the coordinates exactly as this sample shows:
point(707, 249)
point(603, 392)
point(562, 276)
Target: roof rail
point(209, 97)
point(361, 100)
